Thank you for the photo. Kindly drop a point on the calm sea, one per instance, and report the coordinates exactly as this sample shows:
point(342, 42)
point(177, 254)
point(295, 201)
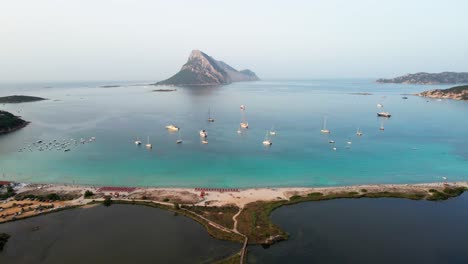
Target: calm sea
point(423, 141)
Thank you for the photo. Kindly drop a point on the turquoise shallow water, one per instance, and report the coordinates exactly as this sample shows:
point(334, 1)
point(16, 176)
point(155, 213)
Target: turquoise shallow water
point(423, 141)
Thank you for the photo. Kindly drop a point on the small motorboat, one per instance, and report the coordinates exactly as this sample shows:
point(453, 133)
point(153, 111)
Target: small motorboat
point(204, 142)
point(244, 125)
point(379, 105)
point(137, 142)
point(172, 128)
point(404, 97)
point(331, 141)
point(384, 114)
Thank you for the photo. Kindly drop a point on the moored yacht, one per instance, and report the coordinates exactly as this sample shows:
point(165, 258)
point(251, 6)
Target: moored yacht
point(384, 114)
point(172, 128)
point(148, 144)
point(324, 126)
point(203, 133)
point(137, 142)
point(267, 141)
point(359, 132)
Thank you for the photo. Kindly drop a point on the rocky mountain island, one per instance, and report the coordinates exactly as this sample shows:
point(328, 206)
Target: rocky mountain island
point(203, 70)
point(430, 78)
point(10, 122)
point(457, 93)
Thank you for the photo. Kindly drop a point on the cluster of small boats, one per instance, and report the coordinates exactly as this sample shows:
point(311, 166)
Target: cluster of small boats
point(204, 133)
point(359, 133)
point(64, 145)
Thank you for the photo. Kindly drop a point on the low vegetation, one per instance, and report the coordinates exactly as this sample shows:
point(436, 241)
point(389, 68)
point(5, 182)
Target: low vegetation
point(3, 240)
point(45, 197)
point(6, 192)
point(88, 194)
point(220, 215)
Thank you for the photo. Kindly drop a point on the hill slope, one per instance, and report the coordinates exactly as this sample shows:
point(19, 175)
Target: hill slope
point(429, 78)
point(457, 93)
point(201, 70)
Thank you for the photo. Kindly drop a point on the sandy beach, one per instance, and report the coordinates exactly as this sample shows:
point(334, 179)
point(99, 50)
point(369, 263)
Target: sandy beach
point(216, 198)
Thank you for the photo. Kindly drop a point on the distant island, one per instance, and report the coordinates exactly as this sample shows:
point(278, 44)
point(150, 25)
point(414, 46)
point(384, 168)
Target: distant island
point(10, 122)
point(430, 78)
point(164, 90)
point(16, 99)
point(203, 70)
point(457, 93)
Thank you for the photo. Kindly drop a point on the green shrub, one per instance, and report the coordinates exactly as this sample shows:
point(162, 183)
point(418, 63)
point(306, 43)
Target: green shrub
point(107, 201)
point(53, 197)
point(88, 194)
point(432, 190)
point(364, 190)
point(314, 194)
point(166, 200)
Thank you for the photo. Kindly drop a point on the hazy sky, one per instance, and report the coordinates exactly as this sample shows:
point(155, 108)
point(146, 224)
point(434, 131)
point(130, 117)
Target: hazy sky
point(150, 40)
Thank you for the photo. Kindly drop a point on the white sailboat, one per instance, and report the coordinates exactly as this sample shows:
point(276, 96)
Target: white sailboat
point(179, 140)
point(379, 105)
point(324, 126)
point(359, 132)
point(244, 123)
point(148, 144)
point(267, 141)
point(210, 119)
point(272, 132)
point(137, 141)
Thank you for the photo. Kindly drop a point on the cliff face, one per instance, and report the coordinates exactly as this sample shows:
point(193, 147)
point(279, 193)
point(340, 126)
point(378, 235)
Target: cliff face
point(429, 78)
point(201, 69)
point(457, 93)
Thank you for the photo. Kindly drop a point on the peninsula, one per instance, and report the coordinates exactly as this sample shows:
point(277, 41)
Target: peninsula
point(16, 99)
point(10, 122)
point(456, 93)
point(203, 70)
point(429, 78)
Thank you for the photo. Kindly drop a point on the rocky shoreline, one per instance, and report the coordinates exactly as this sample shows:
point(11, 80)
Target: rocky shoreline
point(455, 93)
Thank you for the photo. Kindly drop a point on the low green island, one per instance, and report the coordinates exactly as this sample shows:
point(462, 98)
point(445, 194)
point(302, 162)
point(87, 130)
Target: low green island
point(10, 122)
point(16, 99)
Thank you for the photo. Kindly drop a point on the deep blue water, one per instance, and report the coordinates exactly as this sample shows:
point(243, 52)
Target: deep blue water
point(423, 141)
point(370, 231)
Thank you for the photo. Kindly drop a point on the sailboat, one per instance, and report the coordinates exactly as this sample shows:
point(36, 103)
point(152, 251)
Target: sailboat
point(382, 125)
point(359, 132)
point(149, 145)
point(210, 119)
point(137, 141)
point(179, 141)
point(324, 126)
point(267, 141)
point(244, 123)
point(272, 131)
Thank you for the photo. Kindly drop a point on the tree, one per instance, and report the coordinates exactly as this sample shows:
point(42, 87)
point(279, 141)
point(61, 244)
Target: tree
point(88, 194)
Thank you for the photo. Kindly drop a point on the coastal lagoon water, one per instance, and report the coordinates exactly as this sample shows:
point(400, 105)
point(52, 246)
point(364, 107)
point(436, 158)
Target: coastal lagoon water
point(370, 231)
point(423, 141)
point(115, 234)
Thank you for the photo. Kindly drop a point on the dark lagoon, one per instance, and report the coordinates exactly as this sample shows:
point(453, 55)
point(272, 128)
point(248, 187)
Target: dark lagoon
point(115, 234)
point(370, 231)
